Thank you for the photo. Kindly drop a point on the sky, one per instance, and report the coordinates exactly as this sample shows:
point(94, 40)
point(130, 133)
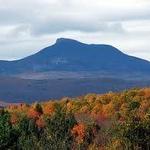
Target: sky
point(27, 26)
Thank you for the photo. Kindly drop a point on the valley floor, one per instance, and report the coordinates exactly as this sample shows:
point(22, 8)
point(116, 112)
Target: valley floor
point(16, 90)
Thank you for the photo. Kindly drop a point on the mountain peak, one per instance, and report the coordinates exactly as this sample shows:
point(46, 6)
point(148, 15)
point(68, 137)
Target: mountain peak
point(66, 40)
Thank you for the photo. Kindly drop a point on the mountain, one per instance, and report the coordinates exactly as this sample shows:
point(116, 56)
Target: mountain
point(71, 68)
point(73, 56)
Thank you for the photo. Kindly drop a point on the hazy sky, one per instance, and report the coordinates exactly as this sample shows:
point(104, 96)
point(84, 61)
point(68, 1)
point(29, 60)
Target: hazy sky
point(26, 26)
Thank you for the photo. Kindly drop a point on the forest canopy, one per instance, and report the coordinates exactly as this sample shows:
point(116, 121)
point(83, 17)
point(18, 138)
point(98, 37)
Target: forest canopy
point(112, 121)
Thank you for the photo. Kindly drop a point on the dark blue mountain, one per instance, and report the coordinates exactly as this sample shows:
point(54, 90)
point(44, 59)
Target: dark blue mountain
point(71, 55)
point(71, 68)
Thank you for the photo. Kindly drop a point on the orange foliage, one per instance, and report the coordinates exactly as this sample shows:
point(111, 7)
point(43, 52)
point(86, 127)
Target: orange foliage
point(108, 109)
point(145, 105)
point(48, 109)
point(90, 98)
point(18, 108)
point(79, 132)
point(147, 93)
point(69, 105)
point(105, 99)
point(32, 113)
point(97, 108)
point(84, 109)
point(124, 109)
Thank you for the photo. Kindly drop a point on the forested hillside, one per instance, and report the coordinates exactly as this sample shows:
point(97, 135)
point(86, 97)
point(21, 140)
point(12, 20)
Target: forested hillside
point(112, 121)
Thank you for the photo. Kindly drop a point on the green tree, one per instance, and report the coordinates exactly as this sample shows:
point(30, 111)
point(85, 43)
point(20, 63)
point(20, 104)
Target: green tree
point(57, 134)
point(29, 134)
point(8, 134)
point(133, 134)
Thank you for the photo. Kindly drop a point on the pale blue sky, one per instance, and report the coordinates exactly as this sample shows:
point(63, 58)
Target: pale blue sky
point(26, 26)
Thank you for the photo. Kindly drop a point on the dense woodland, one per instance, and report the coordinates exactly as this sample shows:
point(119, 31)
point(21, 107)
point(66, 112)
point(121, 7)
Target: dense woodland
point(112, 121)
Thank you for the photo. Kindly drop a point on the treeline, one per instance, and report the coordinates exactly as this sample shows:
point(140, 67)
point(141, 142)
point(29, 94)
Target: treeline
point(112, 121)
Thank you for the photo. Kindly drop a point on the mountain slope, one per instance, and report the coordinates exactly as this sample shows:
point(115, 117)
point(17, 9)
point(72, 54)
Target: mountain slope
point(71, 55)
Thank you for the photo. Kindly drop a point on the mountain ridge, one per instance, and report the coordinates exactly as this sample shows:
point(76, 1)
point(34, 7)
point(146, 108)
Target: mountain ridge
point(71, 68)
point(72, 55)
